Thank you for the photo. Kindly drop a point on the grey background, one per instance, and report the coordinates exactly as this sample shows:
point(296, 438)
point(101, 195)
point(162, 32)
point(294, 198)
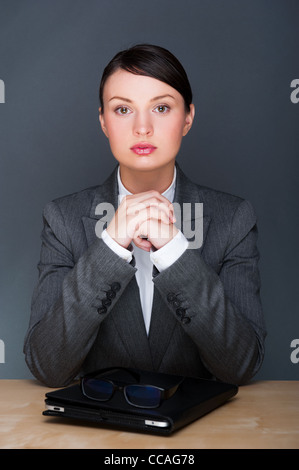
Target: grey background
point(241, 57)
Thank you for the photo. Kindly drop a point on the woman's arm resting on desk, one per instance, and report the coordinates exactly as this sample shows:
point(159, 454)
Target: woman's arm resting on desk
point(223, 313)
point(65, 318)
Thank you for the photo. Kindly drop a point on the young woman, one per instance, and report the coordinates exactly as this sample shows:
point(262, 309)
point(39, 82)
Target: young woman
point(137, 292)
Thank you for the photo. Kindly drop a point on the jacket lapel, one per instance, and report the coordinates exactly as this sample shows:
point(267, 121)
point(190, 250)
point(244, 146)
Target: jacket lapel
point(127, 315)
point(128, 320)
point(106, 194)
point(163, 323)
point(162, 327)
point(187, 192)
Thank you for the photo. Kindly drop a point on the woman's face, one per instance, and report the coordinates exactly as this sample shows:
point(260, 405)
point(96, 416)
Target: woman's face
point(144, 119)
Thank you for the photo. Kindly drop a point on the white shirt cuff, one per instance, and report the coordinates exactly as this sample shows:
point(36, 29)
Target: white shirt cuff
point(169, 253)
point(124, 253)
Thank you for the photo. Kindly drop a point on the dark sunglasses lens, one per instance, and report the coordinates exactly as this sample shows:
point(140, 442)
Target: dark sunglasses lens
point(97, 389)
point(143, 396)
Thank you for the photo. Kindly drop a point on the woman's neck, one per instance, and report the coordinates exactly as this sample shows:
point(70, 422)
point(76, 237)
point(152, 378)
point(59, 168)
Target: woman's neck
point(136, 181)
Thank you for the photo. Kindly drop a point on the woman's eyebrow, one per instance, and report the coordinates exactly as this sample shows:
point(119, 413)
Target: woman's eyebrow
point(162, 97)
point(121, 98)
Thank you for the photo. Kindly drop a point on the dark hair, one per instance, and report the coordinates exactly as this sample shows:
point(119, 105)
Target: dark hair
point(151, 61)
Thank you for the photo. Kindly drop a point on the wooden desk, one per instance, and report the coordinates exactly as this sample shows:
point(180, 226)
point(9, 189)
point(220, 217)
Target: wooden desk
point(263, 415)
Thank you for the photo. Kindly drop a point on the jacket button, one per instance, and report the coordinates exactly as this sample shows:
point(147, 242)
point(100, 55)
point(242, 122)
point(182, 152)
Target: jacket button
point(102, 310)
point(176, 303)
point(186, 320)
point(106, 302)
point(110, 294)
point(115, 286)
point(171, 297)
point(180, 312)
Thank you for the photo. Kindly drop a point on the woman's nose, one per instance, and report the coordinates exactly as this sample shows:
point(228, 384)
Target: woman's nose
point(143, 125)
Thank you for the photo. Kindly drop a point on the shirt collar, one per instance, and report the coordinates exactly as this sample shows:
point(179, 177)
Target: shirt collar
point(168, 193)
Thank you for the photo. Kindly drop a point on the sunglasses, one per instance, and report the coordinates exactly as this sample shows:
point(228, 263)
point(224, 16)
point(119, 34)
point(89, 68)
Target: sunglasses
point(98, 386)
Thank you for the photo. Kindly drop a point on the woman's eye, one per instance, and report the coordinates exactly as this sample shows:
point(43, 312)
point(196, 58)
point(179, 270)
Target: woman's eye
point(122, 110)
point(162, 109)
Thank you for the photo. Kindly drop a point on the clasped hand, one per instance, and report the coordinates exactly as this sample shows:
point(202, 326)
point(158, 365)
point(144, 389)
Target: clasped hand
point(146, 218)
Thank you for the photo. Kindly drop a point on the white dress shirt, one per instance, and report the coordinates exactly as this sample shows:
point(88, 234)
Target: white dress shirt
point(145, 260)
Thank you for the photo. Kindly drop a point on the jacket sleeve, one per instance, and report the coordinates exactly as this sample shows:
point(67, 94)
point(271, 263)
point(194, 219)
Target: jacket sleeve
point(70, 301)
point(220, 309)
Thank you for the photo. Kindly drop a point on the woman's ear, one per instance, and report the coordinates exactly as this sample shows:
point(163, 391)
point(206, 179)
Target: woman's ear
point(189, 120)
point(102, 122)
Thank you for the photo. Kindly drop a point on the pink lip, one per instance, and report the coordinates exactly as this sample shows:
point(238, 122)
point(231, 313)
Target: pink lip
point(143, 148)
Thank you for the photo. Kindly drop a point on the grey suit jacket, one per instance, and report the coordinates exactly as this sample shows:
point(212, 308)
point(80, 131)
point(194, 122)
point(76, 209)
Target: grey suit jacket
point(86, 313)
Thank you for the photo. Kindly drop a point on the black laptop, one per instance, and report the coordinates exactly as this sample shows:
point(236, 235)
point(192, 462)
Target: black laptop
point(137, 400)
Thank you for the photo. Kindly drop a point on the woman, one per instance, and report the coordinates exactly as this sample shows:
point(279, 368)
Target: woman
point(134, 291)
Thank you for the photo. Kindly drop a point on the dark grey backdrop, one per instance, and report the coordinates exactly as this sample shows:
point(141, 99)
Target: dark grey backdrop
point(241, 57)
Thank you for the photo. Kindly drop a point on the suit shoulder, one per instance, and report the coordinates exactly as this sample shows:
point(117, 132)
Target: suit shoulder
point(211, 197)
point(76, 204)
point(225, 207)
point(219, 199)
point(86, 194)
point(80, 203)
point(228, 210)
